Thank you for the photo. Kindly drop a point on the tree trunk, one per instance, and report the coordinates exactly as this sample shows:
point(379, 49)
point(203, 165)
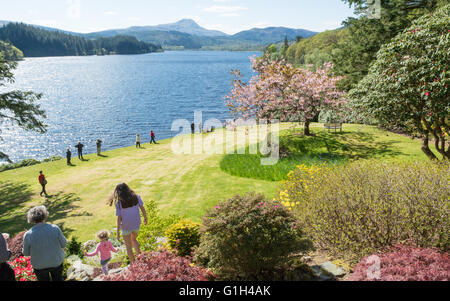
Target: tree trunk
point(426, 148)
point(307, 131)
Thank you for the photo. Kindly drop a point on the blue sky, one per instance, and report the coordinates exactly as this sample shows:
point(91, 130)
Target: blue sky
point(230, 16)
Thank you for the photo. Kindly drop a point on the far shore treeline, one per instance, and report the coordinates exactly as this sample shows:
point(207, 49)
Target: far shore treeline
point(36, 42)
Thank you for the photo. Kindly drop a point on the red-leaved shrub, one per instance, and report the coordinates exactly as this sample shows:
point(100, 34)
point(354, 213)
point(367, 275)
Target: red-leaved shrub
point(404, 263)
point(15, 246)
point(162, 266)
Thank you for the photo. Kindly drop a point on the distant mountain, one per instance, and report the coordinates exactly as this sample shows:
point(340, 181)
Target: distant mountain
point(272, 34)
point(186, 26)
point(187, 34)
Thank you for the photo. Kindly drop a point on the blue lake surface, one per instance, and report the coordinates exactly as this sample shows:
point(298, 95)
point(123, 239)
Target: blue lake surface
point(115, 97)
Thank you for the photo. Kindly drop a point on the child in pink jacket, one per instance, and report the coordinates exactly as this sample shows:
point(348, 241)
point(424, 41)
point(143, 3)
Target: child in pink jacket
point(105, 248)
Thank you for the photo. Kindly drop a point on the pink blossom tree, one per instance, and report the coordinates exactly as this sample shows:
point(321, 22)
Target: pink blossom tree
point(281, 91)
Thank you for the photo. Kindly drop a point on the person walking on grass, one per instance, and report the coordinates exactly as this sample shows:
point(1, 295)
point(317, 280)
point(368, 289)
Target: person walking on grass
point(69, 157)
point(99, 147)
point(127, 204)
point(105, 248)
point(79, 148)
point(153, 136)
point(43, 182)
point(45, 244)
point(6, 272)
point(138, 141)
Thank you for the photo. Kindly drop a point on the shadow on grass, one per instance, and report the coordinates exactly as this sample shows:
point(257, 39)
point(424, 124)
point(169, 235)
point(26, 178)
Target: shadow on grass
point(295, 149)
point(13, 208)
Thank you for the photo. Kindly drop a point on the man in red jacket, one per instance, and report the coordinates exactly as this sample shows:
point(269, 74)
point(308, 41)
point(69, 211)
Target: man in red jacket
point(152, 134)
point(43, 182)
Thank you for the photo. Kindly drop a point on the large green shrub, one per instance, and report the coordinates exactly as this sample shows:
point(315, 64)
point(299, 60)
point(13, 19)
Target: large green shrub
point(183, 237)
point(151, 234)
point(249, 238)
point(366, 206)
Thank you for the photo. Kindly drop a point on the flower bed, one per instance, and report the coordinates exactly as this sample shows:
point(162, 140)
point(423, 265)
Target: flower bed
point(23, 269)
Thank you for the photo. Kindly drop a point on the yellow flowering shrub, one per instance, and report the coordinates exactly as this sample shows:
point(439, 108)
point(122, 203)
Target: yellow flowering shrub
point(365, 206)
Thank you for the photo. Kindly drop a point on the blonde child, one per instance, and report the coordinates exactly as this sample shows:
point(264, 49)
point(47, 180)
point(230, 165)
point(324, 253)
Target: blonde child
point(105, 248)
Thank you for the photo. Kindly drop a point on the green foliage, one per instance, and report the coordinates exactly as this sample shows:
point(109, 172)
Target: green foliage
point(318, 49)
point(155, 228)
point(36, 42)
point(183, 237)
point(367, 35)
point(407, 86)
point(358, 209)
point(74, 247)
point(18, 107)
point(9, 52)
point(249, 238)
point(26, 162)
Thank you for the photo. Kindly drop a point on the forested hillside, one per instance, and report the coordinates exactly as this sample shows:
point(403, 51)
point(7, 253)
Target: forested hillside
point(9, 52)
point(36, 42)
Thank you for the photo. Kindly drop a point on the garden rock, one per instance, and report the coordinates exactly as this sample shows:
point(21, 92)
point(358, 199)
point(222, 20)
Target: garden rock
point(332, 269)
point(321, 274)
point(72, 259)
point(80, 272)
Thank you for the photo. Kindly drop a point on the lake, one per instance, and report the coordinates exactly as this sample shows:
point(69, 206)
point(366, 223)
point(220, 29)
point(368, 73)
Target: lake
point(115, 97)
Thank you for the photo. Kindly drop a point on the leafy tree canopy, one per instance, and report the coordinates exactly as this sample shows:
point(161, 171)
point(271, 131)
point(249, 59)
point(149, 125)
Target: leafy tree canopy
point(407, 85)
point(18, 107)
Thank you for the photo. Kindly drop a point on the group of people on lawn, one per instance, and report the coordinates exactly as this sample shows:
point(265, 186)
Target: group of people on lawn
point(45, 243)
point(99, 142)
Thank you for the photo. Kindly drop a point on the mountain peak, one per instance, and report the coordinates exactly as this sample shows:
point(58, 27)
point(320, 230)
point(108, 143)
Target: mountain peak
point(187, 22)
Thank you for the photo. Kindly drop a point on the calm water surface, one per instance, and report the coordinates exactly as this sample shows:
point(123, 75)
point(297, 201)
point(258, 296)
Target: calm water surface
point(115, 97)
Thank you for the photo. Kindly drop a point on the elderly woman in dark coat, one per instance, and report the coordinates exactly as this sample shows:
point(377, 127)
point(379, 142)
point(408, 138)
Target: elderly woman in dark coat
point(45, 244)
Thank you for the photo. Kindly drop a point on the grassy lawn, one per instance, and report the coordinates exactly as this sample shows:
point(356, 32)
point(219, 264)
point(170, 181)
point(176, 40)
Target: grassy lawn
point(186, 185)
point(353, 143)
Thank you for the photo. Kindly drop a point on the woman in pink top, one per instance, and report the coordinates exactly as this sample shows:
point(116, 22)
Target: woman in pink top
point(105, 248)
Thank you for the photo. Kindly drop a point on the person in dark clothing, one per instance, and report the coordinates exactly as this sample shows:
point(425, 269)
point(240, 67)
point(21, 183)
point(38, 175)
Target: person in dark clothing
point(43, 182)
point(69, 156)
point(152, 135)
point(6, 272)
point(193, 128)
point(79, 147)
point(99, 147)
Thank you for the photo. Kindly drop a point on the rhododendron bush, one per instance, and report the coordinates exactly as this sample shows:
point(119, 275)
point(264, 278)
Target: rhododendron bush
point(407, 86)
point(162, 266)
point(23, 269)
point(281, 91)
point(404, 263)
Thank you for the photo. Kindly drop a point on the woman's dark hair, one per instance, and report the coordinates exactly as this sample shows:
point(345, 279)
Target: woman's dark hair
point(123, 194)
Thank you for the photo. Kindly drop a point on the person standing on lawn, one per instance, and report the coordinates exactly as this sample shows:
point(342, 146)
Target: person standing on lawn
point(79, 147)
point(138, 141)
point(45, 244)
point(127, 204)
point(43, 182)
point(152, 135)
point(69, 157)
point(99, 147)
point(6, 272)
